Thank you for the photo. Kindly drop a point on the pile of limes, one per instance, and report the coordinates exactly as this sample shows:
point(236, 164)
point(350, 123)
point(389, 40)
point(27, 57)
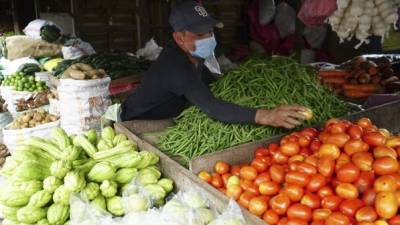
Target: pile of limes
point(21, 82)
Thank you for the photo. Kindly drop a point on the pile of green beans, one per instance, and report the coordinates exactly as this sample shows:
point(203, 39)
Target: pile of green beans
point(258, 83)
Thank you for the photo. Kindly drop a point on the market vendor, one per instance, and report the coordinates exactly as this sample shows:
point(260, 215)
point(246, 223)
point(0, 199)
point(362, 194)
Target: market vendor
point(181, 76)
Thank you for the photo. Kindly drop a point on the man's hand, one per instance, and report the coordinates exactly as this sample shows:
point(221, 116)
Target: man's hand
point(287, 116)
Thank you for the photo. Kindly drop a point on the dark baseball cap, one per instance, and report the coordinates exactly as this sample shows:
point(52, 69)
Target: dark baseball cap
point(192, 17)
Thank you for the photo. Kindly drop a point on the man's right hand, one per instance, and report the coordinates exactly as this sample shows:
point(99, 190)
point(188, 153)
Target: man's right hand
point(287, 116)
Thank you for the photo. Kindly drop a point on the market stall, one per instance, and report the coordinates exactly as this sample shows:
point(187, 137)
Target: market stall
point(62, 161)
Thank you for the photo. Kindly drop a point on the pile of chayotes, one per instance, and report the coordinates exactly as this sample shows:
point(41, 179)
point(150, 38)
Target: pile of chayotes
point(42, 174)
point(345, 173)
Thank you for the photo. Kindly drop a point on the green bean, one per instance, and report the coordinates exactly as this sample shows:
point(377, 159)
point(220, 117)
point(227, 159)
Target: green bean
point(258, 83)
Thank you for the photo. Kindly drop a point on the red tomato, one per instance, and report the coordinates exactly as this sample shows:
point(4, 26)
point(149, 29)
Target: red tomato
point(364, 122)
point(216, 180)
point(317, 181)
point(221, 167)
point(355, 132)
point(329, 150)
point(234, 191)
point(374, 139)
point(337, 128)
point(279, 203)
point(331, 122)
point(306, 168)
point(259, 165)
point(369, 197)
point(258, 206)
point(395, 220)
point(277, 173)
point(382, 151)
point(397, 178)
point(315, 145)
point(325, 191)
point(296, 221)
point(225, 178)
point(299, 211)
point(235, 170)
point(348, 173)
point(293, 138)
point(363, 160)
point(305, 152)
point(304, 141)
point(365, 181)
point(385, 183)
point(311, 200)
point(312, 160)
point(261, 151)
point(273, 147)
point(269, 188)
point(309, 132)
point(346, 191)
point(244, 199)
point(247, 185)
point(366, 214)
point(326, 166)
point(271, 217)
point(321, 214)
point(337, 218)
point(318, 222)
point(354, 146)
point(338, 139)
point(295, 159)
point(283, 221)
point(294, 192)
point(331, 202)
point(205, 176)
point(323, 136)
point(280, 158)
point(350, 207)
point(342, 160)
point(290, 148)
point(386, 204)
point(263, 177)
point(385, 165)
point(248, 173)
point(372, 128)
point(296, 177)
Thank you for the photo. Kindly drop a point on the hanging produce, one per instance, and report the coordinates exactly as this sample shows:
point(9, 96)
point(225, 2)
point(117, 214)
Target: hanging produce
point(345, 173)
point(258, 84)
point(363, 18)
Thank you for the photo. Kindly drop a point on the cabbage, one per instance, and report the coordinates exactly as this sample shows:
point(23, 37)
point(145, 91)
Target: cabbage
point(62, 195)
point(60, 168)
point(114, 206)
point(136, 203)
point(51, 183)
point(102, 171)
point(166, 184)
point(125, 175)
point(108, 188)
point(40, 199)
point(30, 214)
point(91, 191)
point(75, 181)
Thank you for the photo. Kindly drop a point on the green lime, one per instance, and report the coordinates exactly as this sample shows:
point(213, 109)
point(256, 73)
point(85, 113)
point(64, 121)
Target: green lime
point(32, 78)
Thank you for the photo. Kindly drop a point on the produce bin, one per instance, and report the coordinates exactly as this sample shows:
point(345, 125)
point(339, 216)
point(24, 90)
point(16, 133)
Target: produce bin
point(385, 116)
point(183, 179)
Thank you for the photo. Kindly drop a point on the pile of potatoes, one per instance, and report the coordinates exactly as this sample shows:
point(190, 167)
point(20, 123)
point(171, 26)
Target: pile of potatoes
point(81, 71)
point(32, 119)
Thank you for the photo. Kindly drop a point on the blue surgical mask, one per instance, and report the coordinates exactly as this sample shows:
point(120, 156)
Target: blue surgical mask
point(205, 47)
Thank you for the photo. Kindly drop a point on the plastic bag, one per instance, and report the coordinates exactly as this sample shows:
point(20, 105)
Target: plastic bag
point(151, 50)
point(14, 65)
point(285, 19)
point(24, 46)
point(315, 36)
point(266, 11)
point(314, 12)
point(12, 138)
point(232, 215)
point(5, 119)
point(11, 97)
point(33, 28)
point(75, 48)
point(83, 213)
point(87, 101)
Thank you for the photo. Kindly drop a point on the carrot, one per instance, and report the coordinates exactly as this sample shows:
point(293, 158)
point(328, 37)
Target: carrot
point(332, 73)
point(360, 87)
point(356, 94)
point(334, 80)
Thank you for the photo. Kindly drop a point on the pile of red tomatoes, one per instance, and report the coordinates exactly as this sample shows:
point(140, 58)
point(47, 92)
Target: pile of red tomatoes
point(346, 173)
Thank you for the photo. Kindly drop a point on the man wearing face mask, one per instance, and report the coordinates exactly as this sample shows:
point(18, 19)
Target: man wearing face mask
point(181, 74)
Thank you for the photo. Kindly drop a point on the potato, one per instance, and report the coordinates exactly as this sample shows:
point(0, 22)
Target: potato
point(26, 118)
point(77, 75)
point(83, 67)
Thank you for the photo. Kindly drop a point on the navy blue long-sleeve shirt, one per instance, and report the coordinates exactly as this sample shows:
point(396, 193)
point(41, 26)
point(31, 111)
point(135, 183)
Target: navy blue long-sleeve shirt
point(173, 81)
